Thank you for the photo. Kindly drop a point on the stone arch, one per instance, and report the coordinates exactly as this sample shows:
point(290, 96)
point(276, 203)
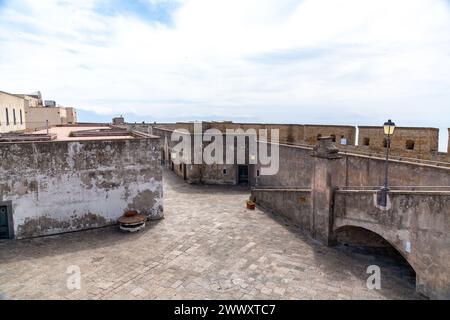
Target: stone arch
point(384, 236)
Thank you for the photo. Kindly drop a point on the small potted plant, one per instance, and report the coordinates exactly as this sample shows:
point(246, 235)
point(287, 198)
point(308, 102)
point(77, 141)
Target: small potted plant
point(251, 205)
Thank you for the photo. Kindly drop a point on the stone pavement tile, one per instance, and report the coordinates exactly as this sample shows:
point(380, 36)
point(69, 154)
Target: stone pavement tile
point(138, 292)
point(266, 290)
point(279, 291)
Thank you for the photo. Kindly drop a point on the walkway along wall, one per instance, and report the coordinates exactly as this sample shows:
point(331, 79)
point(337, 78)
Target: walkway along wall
point(407, 142)
point(224, 174)
point(297, 165)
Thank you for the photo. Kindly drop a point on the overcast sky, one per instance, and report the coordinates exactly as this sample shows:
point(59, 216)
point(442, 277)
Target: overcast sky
point(311, 61)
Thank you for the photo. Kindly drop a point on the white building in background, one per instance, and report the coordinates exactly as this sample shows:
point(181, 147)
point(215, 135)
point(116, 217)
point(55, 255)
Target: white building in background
point(12, 113)
point(37, 117)
point(38, 113)
point(32, 100)
point(71, 115)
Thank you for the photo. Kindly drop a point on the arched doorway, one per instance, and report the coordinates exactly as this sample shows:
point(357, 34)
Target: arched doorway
point(362, 241)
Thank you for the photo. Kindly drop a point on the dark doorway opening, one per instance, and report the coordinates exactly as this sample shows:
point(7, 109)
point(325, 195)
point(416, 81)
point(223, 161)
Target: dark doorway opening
point(6, 223)
point(184, 172)
point(243, 175)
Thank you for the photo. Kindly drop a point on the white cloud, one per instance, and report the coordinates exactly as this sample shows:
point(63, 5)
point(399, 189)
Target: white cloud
point(267, 60)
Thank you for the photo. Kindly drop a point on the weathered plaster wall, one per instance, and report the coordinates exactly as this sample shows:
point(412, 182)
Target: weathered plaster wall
point(200, 173)
point(426, 139)
point(294, 204)
point(420, 218)
point(214, 174)
point(312, 132)
point(296, 170)
point(356, 170)
point(57, 187)
point(192, 174)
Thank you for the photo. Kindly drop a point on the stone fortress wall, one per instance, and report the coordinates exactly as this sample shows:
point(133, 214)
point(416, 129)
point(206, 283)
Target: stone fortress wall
point(324, 194)
point(407, 142)
point(60, 186)
point(363, 167)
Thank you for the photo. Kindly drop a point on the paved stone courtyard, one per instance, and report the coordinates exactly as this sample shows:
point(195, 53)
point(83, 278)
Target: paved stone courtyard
point(208, 247)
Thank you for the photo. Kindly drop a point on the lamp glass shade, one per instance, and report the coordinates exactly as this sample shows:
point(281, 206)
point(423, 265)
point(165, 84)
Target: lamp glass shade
point(389, 128)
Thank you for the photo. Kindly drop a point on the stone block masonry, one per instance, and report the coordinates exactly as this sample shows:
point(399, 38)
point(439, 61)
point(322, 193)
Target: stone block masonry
point(416, 224)
point(61, 186)
point(292, 203)
point(407, 142)
point(341, 193)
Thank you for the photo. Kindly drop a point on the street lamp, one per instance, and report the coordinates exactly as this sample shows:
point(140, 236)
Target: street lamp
point(389, 128)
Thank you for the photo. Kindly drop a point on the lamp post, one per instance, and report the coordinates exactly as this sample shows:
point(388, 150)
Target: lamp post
point(389, 128)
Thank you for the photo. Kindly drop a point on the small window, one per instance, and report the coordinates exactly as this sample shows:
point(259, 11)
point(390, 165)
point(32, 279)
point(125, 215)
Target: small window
point(14, 116)
point(21, 118)
point(366, 142)
point(258, 173)
point(410, 144)
point(333, 137)
point(7, 117)
point(385, 143)
point(319, 136)
point(225, 172)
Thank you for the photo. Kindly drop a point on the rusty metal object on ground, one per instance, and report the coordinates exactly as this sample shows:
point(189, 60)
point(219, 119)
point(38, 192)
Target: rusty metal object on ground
point(131, 221)
point(131, 213)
